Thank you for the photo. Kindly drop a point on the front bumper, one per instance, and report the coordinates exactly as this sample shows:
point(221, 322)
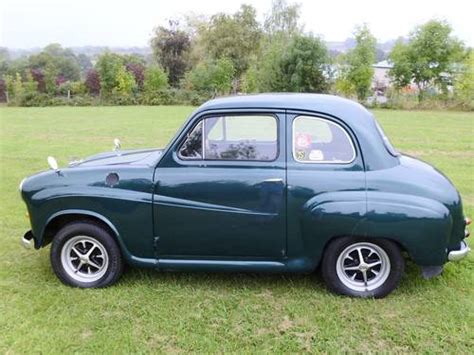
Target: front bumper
point(28, 240)
point(456, 255)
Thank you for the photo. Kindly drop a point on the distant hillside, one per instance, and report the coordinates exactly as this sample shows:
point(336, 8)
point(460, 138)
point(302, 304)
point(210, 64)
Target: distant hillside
point(90, 51)
point(383, 48)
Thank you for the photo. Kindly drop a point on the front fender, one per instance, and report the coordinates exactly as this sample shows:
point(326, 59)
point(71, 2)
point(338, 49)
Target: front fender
point(127, 213)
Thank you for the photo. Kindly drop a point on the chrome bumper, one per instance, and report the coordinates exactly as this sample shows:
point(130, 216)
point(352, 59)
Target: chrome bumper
point(456, 255)
point(27, 241)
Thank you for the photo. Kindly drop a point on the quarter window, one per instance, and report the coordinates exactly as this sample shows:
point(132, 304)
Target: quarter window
point(232, 138)
point(316, 140)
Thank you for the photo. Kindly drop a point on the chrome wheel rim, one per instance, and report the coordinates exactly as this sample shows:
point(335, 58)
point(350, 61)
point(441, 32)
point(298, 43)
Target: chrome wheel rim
point(84, 259)
point(363, 266)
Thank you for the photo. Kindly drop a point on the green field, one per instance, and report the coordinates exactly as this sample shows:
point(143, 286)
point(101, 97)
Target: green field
point(149, 311)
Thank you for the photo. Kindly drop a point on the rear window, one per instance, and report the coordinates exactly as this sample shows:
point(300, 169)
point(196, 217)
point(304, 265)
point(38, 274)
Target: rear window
point(388, 145)
point(317, 140)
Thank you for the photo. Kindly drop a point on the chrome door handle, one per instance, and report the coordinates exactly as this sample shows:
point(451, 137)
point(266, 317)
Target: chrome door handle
point(273, 180)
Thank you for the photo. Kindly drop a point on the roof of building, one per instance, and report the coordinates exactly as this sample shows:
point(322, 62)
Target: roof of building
point(384, 64)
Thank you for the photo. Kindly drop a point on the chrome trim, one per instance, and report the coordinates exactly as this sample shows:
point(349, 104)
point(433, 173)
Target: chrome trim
point(27, 241)
point(354, 154)
point(456, 255)
point(20, 187)
point(273, 180)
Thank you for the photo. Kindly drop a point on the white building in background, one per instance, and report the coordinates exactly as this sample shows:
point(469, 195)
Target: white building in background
point(381, 79)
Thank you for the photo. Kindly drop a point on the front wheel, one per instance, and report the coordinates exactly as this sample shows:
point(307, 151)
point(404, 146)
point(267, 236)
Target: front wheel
point(362, 268)
point(85, 255)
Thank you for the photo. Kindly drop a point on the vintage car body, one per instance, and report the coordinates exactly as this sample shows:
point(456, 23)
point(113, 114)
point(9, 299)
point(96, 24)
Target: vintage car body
point(280, 215)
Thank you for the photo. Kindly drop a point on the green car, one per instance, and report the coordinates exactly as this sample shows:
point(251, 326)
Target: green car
point(260, 183)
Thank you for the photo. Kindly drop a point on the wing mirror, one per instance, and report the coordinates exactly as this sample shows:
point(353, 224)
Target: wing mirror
point(117, 145)
point(53, 164)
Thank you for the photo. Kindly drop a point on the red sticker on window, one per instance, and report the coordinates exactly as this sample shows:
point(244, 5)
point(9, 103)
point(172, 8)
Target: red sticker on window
point(303, 140)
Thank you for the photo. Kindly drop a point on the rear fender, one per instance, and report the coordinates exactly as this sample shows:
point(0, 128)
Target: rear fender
point(421, 225)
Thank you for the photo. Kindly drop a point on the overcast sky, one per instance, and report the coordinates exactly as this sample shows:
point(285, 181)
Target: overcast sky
point(29, 23)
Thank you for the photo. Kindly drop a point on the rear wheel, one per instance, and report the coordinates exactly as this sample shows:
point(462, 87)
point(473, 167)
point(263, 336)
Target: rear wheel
point(85, 255)
point(362, 268)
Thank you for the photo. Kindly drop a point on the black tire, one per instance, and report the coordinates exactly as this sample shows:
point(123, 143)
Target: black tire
point(334, 276)
point(106, 247)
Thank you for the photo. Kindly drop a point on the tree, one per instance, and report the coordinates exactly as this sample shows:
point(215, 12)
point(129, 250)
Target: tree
point(108, 65)
point(282, 21)
point(359, 62)
point(11, 67)
point(170, 48)
point(236, 37)
point(138, 72)
point(9, 80)
point(250, 80)
point(51, 73)
point(281, 26)
point(125, 82)
point(304, 65)
point(155, 79)
point(57, 59)
point(401, 72)
point(211, 77)
point(464, 84)
point(17, 88)
point(3, 90)
point(38, 76)
point(4, 61)
point(30, 85)
point(428, 58)
point(267, 66)
point(92, 82)
point(300, 67)
point(84, 63)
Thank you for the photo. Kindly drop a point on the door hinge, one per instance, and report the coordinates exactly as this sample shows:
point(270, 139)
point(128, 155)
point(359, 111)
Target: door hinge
point(155, 243)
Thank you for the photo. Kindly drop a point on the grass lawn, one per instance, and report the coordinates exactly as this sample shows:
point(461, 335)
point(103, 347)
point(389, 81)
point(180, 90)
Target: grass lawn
point(148, 311)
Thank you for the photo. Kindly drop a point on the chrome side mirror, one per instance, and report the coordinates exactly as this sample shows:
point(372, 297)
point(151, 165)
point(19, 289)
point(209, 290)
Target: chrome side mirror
point(117, 145)
point(53, 164)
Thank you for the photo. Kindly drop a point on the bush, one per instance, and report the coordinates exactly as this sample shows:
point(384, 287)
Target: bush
point(121, 99)
point(155, 79)
point(30, 99)
point(410, 101)
point(171, 96)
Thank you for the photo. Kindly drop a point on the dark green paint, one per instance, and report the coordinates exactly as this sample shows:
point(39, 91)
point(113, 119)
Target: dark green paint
point(257, 216)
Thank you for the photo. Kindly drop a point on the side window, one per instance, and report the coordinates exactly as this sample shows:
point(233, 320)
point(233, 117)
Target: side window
point(192, 147)
point(316, 140)
point(232, 138)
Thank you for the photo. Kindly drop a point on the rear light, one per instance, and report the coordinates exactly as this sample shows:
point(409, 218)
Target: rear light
point(468, 221)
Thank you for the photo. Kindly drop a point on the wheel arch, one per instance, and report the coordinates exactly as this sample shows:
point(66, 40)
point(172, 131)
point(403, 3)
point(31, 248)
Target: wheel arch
point(59, 219)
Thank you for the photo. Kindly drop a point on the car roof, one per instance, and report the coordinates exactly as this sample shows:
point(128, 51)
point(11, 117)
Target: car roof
point(349, 111)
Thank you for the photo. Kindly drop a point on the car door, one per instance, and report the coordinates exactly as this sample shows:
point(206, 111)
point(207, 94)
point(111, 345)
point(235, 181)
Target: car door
point(220, 188)
point(326, 194)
